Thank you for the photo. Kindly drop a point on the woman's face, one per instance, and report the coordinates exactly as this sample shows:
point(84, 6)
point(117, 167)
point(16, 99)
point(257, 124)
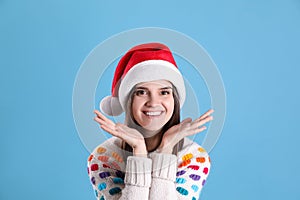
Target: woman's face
point(153, 104)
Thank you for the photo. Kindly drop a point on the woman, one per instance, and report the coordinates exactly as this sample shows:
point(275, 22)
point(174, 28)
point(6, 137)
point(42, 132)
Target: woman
point(149, 156)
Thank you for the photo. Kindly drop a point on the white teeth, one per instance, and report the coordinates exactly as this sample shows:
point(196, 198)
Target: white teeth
point(153, 113)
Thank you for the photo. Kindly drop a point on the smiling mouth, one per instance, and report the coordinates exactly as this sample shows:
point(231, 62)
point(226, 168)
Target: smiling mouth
point(153, 113)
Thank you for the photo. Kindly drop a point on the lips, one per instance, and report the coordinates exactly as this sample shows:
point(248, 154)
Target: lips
point(152, 113)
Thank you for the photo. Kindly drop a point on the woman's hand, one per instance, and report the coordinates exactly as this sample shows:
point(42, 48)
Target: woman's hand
point(187, 127)
point(131, 136)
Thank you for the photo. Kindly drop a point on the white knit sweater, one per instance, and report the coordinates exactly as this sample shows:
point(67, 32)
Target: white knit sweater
point(160, 176)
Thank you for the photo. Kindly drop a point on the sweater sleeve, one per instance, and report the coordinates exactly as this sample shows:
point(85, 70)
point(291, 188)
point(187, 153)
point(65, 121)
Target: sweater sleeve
point(110, 182)
point(163, 176)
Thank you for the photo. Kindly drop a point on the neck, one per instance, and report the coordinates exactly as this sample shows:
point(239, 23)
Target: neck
point(153, 142)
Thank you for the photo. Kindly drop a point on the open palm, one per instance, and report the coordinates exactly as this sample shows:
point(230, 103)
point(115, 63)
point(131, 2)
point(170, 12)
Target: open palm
point(130, 135)
point(187, 127)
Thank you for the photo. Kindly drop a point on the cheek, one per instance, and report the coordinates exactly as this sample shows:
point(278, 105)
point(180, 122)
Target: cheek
point(170, 106)
point(133, 109)
point(136, 105)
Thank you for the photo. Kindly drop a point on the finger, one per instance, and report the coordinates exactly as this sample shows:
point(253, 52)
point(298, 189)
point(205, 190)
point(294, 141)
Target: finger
point(181, 125)
point(101, 116)
point(105, 123)
point(128, 135)
point(196, 130)
point(98, 113)
point(128, 131)
point(187, 120)
point(118, 130)
point(120, 133)
point(101, 122)
point(209, 112)
point(114, 129)
point(197, 123)
point(122, 127)
point(111, 131)
point(109, 127)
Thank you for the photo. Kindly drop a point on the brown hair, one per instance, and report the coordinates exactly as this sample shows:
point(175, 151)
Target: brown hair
point(174, 120)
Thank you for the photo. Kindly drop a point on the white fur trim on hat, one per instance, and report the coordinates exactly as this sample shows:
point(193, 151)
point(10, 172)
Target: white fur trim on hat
point(111, 106)
point(151, 70)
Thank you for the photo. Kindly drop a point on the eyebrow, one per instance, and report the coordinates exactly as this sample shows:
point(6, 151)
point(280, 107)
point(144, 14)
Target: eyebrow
point(164, 88)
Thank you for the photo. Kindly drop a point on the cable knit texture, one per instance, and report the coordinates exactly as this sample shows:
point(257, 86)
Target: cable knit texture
point(164, 166)
point(138, 171)
point(115, 175)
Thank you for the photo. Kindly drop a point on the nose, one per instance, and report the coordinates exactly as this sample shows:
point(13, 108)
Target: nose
point(153, 100)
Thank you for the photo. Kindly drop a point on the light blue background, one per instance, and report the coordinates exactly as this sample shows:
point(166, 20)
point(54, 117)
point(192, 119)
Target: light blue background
point(255, 45)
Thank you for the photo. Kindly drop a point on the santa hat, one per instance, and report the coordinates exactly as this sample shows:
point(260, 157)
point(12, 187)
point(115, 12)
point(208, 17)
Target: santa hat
point(142, 63)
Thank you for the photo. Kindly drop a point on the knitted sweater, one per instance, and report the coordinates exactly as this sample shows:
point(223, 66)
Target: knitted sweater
point(116, 176)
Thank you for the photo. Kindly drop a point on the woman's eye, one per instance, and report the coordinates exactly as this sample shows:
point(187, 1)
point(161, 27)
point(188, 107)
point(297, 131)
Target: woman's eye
point(140, 92)
point(165, 92)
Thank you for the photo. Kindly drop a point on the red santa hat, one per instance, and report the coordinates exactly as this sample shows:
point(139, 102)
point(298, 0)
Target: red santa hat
point(142, 63)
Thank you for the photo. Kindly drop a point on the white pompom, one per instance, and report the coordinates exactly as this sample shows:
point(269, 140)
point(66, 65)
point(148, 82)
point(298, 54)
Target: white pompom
point(111, 106)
